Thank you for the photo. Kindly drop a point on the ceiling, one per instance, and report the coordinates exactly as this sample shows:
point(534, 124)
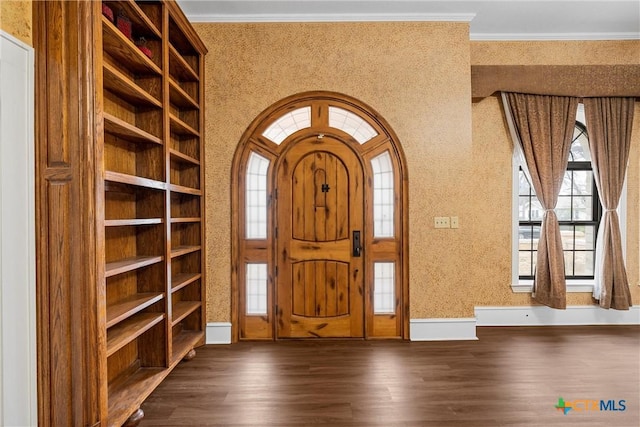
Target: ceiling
point(489, 19)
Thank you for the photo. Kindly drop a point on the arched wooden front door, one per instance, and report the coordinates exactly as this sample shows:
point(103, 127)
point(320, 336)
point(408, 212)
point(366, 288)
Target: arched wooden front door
point(319, 223)
point(320, 219)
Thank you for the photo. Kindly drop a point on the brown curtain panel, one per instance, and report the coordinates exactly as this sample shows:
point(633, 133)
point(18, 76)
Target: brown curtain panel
point(544, 126)
point(609, 123)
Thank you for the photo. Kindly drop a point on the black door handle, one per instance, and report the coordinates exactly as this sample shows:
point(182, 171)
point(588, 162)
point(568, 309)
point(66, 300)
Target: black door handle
point(357, 246)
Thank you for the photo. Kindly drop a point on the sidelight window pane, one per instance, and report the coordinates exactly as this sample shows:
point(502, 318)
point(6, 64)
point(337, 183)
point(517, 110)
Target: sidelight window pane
point(256, 197)
point(288, 124)
point(351, 124)
point(383, 196)
point(256, 289)
point(384, 288)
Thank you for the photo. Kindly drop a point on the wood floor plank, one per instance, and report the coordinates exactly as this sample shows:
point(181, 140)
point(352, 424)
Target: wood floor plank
point(509, 377)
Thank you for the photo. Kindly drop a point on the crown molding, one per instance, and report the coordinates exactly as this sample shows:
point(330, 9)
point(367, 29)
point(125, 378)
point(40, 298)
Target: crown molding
point(552, 36)
point(404, 17)
point(332, 17)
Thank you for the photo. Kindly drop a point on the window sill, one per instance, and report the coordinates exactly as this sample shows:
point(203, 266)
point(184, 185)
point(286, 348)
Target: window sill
point(573, 286)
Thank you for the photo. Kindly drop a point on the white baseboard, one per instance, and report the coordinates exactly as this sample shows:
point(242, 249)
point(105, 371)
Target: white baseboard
point(442, 329)
point(545, 316)
point(218, 333)
point(456, 329)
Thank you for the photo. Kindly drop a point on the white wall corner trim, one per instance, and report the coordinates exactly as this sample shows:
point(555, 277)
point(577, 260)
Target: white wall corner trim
point(18, 370)
point(442, 329)
point(218, 333)
point(545, 316)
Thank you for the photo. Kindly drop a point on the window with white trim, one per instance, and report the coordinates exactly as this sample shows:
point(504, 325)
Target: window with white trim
point(579, 212)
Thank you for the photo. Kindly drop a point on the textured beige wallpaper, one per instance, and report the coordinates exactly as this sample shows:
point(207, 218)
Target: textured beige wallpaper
point(491, 135)
point(15, 19)
point(556, 52)
point(417, 76)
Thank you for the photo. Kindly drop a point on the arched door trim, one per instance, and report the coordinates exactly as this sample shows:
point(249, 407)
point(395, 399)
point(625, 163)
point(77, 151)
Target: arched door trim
point(245, 251)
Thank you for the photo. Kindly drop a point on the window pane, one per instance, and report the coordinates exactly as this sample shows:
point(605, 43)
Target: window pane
point(524, 186)
point(530, 209)
point(537, 211)
point(256, 197)
point(288, 124)
point(528, 245)
point(529, 236)
point(586, 237)
point(580, 146)
point(351, 124)
point(524, 208)
point(256, 300)
point(568, 263)
point(567, 183)
point(568, 238)
point(584, 263)
point(582, 209)
point(563, 208)
point(582, 182)
point(527, 263)
point(524, 263)
point(384, 288)
point(383, 190)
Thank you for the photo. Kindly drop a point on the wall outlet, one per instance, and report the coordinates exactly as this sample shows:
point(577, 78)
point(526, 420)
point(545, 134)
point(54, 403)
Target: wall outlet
point(454, 222)
point(442, 222)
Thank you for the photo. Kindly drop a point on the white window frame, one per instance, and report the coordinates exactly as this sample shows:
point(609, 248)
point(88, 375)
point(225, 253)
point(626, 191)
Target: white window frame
point(573, 285)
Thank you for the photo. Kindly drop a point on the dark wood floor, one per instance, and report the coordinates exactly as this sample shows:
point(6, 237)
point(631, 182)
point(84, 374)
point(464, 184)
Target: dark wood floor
point(509, 377)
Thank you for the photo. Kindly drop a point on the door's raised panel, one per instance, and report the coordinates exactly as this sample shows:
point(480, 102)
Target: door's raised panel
point(320, 288)
point(302, 327)
point(320, 195)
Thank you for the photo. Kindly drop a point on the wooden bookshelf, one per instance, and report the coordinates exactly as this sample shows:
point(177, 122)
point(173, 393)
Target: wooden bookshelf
point(129, 264)
point(125, 130)
point(120, 194)
point(152, 115)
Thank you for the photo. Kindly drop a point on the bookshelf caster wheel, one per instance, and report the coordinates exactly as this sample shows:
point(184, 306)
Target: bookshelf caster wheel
point(134, 419)
point(189, 356)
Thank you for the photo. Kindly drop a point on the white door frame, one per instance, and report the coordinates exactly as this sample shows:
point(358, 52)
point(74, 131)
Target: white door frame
point(18, 369)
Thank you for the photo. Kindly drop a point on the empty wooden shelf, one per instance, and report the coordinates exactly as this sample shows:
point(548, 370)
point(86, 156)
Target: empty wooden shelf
point(120, 95)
